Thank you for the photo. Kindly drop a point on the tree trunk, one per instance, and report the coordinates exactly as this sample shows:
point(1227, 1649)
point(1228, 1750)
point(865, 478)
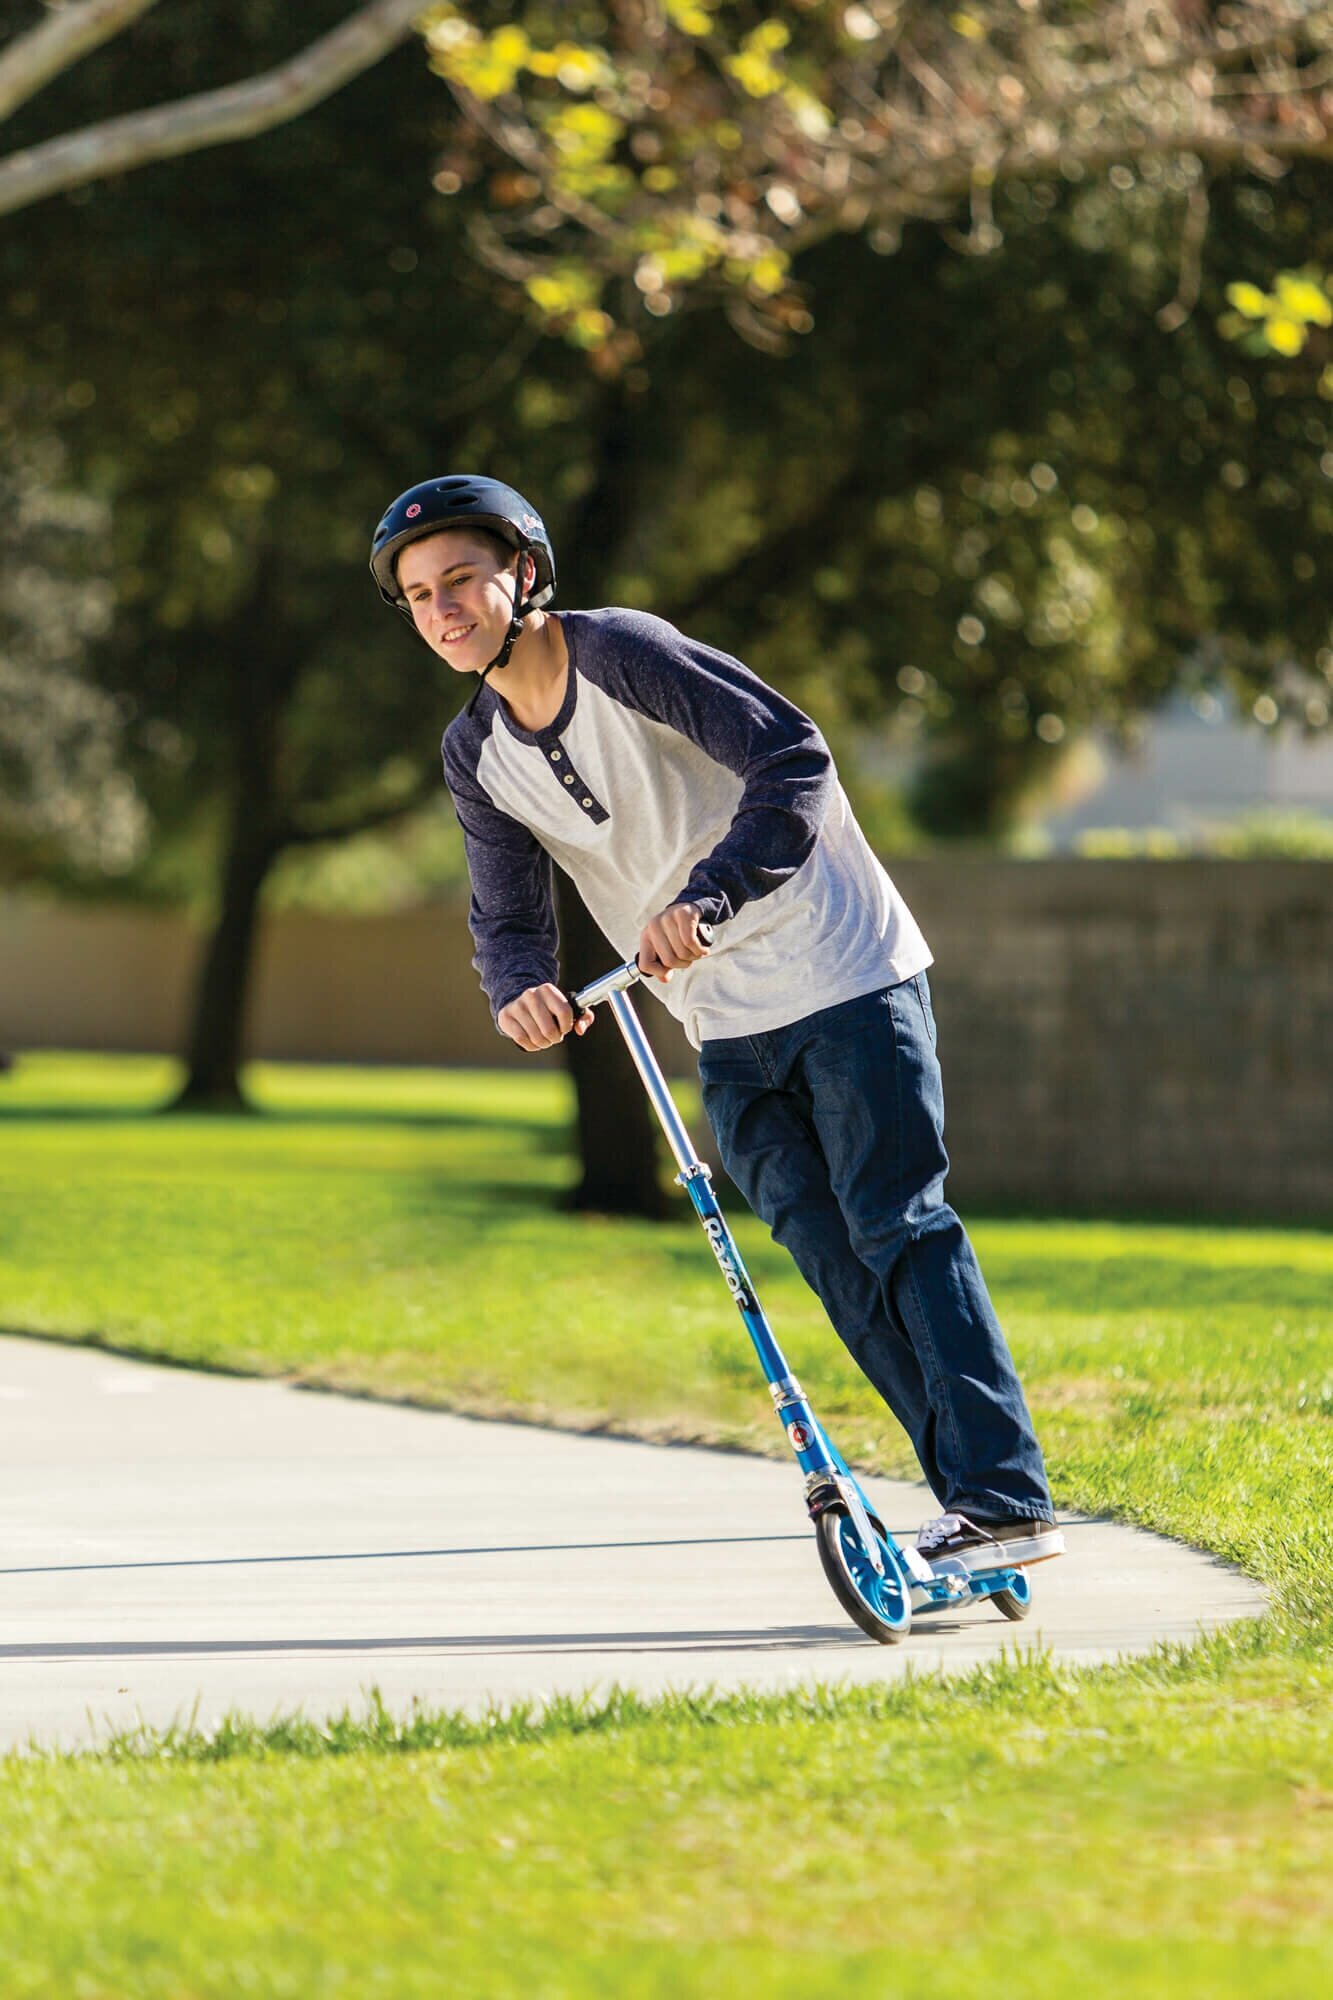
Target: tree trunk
point(258, 676)
point(216, 1042)
point(617, 1131)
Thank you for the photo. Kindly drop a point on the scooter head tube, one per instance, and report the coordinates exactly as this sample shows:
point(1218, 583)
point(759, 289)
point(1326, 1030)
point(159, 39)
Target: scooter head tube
point(621, 977)
point(601, 989)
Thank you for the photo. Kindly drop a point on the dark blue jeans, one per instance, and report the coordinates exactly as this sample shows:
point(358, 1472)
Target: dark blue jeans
point(832, 1129)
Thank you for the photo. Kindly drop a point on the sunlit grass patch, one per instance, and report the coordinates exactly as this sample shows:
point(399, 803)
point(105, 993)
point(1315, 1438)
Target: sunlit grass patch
point(1175, 1810)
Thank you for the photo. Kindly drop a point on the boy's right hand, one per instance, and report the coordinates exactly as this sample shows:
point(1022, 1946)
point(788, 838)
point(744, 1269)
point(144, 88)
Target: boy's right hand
point(540, 1018)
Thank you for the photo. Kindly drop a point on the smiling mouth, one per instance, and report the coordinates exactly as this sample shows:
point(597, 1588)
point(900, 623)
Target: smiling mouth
point(456, 636)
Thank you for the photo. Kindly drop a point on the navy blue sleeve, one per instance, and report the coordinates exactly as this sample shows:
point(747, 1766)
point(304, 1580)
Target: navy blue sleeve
point(739, 720)
point(512, 912)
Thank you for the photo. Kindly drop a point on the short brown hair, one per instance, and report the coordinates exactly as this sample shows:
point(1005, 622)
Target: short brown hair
point(501, 549)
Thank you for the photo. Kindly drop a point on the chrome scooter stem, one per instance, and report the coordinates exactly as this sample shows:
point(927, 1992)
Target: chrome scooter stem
point(815, 1452)
point(611, 987)
point(645, 1062)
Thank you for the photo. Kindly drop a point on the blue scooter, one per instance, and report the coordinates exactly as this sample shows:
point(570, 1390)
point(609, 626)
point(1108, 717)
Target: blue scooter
point(878, 1584)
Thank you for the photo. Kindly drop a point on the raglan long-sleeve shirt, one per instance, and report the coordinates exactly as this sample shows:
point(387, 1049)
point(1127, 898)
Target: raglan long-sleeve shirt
point(674, 774)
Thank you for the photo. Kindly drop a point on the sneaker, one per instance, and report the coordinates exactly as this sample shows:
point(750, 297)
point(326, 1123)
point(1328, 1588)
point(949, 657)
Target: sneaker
point(979, 1545)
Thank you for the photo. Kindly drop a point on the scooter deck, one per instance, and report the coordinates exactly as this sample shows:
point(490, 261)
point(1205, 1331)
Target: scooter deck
point(956, 1587)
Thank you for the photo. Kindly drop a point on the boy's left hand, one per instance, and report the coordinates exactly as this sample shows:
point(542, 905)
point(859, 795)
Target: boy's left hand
point(670, 941)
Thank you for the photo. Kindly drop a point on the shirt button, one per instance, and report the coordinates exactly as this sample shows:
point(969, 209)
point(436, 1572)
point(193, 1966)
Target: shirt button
point(569, 777)
point(555, 756)
point(587, 802)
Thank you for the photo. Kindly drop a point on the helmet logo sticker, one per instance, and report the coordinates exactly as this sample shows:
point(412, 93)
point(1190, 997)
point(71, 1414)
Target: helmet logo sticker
point(532, 524)
point(414, 510)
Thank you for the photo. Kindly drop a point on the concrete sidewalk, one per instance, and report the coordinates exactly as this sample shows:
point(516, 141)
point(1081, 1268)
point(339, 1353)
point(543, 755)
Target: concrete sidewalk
point(170, 1539)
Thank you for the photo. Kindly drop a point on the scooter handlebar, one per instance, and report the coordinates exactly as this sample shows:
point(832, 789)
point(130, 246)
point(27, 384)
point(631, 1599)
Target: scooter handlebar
point(620, 977)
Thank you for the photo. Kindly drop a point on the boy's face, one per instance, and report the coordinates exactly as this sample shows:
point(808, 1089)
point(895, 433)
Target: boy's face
point(461, 593)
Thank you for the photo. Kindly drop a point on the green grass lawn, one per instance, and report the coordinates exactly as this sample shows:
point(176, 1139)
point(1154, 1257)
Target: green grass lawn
point(1161, 1827)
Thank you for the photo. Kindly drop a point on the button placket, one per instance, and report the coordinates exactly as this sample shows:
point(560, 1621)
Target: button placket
point(586, 800)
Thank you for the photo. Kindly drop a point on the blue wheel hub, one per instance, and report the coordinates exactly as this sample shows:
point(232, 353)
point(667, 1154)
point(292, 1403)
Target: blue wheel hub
point(887, 1595)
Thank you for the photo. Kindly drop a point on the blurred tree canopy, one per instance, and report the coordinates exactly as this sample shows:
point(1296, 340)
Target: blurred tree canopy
point(980, 485)
point(239, 367)
point(1050, 511)
point(1033, 489)
point(662, 148)
point(64, 791)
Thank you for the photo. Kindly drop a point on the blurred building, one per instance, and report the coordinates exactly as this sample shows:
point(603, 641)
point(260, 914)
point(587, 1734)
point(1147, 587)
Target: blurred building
point(1196, 766)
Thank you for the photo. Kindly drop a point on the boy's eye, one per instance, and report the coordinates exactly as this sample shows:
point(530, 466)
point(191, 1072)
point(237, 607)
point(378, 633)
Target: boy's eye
point(422, 596)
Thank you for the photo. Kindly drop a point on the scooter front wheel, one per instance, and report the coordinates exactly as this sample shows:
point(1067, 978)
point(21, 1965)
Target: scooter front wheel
point(880, 1605)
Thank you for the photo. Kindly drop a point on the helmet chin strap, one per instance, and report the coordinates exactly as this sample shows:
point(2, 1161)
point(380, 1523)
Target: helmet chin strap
point(511, 638)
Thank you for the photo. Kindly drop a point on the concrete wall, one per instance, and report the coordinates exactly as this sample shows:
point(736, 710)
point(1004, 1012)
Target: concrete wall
point(396, 989)
point(1154, 1035)
point(1151, 1035)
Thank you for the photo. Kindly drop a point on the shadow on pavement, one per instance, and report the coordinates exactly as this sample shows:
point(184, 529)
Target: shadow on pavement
point(403, 1555)
point(771, 1638)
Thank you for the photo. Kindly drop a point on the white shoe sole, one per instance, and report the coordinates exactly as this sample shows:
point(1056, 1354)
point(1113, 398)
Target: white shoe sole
point(1010, 1555)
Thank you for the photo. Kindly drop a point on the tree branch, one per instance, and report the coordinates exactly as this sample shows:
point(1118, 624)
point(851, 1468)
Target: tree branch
point(953, 177)
point(517, 138)
point(930, 127)
point(1097, 79)
point(819, 525)
point(1222, 145)
point(211, 119)
point(57, 43)
point(1191, 261)
point(306, 832)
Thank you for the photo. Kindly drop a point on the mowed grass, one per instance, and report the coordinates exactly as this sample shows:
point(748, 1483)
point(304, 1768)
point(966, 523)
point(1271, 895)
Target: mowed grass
point(1161, 1833)
point(1164, 1827)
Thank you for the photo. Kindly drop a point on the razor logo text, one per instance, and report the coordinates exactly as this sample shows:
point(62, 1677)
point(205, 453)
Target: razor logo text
point(716, 1234)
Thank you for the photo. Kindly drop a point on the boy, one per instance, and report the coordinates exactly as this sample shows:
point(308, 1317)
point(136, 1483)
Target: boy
point(676, 789)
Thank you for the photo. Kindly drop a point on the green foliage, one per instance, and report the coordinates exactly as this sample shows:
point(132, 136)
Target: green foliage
point(607, 136)
point(238, 430)
point(418, 858)
point(1033, 499)
point(1030, 511)
point(1280, 321)
point(65, 801)
point(983, 501)
point(1285, 836)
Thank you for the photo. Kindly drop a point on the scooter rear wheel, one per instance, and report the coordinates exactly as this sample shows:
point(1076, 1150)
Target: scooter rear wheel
point(1016, 1602)
point(880, 1605)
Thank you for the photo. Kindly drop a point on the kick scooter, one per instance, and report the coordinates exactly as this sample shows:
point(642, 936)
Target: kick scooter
point(878, 1584)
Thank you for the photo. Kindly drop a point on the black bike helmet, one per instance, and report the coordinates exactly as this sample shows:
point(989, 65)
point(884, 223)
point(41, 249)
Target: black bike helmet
point(461, 501)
